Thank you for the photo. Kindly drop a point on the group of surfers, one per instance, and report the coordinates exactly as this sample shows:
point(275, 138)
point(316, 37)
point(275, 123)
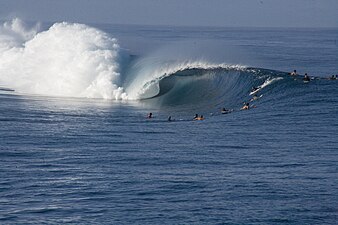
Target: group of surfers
point(306, 78)
point(197, 117)
point(246, 106)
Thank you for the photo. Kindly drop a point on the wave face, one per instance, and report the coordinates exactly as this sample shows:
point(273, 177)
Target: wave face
point(76, 60)
point(71, 60)
point(208, 88)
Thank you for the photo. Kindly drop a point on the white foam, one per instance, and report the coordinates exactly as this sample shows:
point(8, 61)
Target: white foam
point(266, 83)
point(66, 60)
point(15, 32)
point(270, 81)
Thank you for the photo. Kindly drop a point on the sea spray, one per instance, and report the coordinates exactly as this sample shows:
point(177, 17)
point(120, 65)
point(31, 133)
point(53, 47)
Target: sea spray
point(15, 32)
point(72, 60)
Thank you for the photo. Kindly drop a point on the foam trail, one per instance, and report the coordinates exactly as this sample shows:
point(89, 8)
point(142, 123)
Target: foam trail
point(266, 83)
point(68, 59)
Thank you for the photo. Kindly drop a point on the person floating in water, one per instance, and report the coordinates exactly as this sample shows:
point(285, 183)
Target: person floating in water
point(150, 115)
point(246, 106)
point(199, 118)
point(306, 78)
point(333, 77)
point(294, 73)
point(225, 111)
point(255, 97)
point(170, 119)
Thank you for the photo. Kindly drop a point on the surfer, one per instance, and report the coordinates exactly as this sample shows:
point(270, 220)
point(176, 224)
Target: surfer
point(306, 78)
point(196, 116)
point(199, 118)
point(225, 111)
point(246, 106)
point(169, 119)
point(150, 115)
point(333, 77)
point(253, 89)
point(255, 97)
point(294, 73)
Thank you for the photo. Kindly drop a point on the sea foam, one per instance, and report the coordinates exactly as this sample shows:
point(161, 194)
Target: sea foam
point(68, 59)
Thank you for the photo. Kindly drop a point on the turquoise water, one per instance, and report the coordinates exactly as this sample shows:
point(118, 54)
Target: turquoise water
point(99, 161)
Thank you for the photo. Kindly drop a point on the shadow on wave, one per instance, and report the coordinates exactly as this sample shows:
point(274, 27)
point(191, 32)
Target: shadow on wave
point(199, 88)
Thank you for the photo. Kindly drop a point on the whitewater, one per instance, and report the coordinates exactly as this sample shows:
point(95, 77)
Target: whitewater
point(71, 60)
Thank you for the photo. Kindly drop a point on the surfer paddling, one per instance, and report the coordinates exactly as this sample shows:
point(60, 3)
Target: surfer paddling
point(198, 117)
point(246, 106)
point(333, 77)
point(255, 97)
point(170, 119)
point(306, 78)
point(294, 73)
point(225, 111)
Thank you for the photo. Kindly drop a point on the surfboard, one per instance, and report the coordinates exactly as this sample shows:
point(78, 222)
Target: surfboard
point(255, 91)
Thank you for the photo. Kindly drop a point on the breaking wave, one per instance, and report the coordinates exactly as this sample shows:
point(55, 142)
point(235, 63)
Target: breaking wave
point(211, 87)
point(75, 60)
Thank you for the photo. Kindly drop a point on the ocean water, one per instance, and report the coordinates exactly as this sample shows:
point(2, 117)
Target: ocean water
point(76, 146)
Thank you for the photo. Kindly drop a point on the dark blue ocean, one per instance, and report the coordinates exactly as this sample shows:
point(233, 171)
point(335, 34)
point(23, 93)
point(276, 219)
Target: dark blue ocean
point(97, 160)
